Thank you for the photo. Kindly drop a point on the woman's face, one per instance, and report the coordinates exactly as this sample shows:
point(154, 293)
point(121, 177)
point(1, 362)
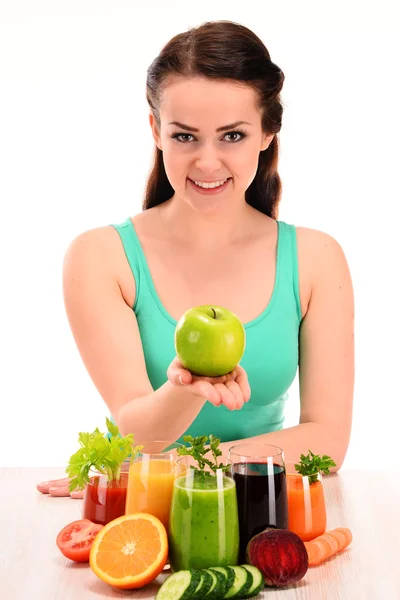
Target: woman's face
point(210, 132)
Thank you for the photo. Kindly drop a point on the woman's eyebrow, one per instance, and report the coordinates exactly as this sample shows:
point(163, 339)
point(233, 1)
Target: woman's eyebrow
point(224, 128)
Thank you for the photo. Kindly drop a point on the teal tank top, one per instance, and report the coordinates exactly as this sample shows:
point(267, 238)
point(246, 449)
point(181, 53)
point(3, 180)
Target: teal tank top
point(271, 353)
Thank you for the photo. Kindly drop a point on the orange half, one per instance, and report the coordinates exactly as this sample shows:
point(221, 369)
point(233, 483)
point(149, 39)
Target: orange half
point(130, 551)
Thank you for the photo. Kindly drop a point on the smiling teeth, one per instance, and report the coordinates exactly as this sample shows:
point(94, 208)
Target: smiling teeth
point(214, 184)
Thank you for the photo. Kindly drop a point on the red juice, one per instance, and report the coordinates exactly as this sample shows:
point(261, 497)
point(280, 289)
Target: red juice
point(105, 501)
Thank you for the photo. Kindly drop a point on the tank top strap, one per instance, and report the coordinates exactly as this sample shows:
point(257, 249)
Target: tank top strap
point(133, 252)
point(288, 265)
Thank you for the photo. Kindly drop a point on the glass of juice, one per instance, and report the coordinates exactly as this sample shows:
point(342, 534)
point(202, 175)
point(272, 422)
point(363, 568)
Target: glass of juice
point(151, 477)
point(103, 500)
point(204, 527)
point(306, 503)
point(259, 474)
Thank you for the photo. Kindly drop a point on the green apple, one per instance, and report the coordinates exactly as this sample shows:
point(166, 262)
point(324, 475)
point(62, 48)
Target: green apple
point(209, 340)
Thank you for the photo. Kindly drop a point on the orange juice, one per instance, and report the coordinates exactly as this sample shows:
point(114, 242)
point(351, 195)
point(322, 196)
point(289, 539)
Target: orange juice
point(150, 486)
point(306, 506)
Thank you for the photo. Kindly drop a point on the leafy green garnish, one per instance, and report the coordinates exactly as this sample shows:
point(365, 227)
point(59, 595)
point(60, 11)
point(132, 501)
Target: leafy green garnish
point(104, 453)
point(198, 451)
point(312, 464)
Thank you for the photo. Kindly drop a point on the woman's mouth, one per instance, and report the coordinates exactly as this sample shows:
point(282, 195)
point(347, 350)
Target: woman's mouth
point(215, 189)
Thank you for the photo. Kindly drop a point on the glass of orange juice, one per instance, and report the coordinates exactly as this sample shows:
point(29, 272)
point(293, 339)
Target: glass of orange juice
point(306, 503)
point(151, 477)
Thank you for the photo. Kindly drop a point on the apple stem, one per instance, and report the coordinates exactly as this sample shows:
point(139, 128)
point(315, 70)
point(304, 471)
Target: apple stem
point(215, 314)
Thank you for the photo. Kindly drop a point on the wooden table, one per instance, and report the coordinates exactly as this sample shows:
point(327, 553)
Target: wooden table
point(32, 568)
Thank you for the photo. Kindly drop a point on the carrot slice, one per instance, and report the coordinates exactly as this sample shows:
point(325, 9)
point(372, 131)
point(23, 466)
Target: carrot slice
point(326, 545)
point(314, 551)
point(347, 533)
point(325, 549)
point(342, 538)
point(332, 540)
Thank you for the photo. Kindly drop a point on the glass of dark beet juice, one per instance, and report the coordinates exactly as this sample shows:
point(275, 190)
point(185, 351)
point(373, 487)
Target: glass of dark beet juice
point(259, 473)
point(104, 500)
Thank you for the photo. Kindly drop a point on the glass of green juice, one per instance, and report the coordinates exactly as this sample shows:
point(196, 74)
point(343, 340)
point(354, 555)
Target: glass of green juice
point(204, 523)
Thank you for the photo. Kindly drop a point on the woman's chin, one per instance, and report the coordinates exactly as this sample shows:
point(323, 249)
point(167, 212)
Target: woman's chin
point(210, 206)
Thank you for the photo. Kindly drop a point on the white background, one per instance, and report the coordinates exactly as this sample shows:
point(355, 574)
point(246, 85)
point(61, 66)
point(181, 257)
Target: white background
point(75, 149)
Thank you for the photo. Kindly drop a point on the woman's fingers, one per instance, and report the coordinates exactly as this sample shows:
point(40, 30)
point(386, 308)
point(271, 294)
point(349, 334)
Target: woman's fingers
point(44, 486)
point(226, 396)
point(237, 393)
point(231, 389)
point(177, 375)
point(59, 488)
point(243, 383)
point(208, 391)
point(59, 491)
point(78, 494)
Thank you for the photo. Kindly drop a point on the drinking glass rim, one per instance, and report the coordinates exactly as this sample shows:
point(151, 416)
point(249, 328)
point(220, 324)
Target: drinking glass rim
point(230, 450)
point(93, 472)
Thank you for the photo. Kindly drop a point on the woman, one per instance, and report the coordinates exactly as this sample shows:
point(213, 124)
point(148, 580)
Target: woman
point(215, 115)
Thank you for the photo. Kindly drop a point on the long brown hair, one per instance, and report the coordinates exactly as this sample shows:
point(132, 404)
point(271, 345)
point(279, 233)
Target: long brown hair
point(221, 50)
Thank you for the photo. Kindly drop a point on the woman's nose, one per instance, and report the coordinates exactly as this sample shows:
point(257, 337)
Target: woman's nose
point(208, 159)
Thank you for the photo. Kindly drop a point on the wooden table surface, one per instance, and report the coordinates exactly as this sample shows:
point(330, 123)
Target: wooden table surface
point(32, 567)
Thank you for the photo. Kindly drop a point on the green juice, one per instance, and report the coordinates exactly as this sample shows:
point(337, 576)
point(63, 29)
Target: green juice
point(204, 529)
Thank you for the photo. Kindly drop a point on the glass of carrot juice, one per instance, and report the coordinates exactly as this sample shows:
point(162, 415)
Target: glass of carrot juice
point(306, 503)
point(151, 478)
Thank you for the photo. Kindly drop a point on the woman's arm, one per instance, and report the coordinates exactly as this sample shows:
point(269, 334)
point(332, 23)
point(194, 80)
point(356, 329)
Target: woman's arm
point(326, 365)
point(106, 332)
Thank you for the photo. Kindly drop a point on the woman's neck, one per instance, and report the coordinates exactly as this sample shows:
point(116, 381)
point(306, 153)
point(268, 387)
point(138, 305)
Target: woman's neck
point(207, 230)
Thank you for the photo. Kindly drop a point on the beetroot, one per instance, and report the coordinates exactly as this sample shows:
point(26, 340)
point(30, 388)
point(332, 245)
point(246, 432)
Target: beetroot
point(279, 554)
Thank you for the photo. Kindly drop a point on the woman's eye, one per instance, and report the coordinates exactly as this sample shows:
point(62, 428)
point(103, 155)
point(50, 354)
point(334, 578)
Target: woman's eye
point(239, 133)
point(183, 137)
point(177, 136)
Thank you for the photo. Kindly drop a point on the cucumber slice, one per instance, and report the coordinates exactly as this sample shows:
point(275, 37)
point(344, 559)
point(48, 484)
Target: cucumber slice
point(243, 581)
point(179, 586)
point(229, 575)
point(258, 581)
point(217, 589)
point(204, 586)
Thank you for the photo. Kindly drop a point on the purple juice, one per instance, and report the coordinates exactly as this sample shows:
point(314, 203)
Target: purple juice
point(262, 500)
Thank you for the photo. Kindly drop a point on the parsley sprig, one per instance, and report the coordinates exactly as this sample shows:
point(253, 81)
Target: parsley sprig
point(198, 450)
point(312, 464)
point(104, 453)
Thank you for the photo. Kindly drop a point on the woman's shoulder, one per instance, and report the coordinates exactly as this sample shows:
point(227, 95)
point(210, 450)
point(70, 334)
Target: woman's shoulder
point(104, 247)
point(320, 256)
point(98, 253)
point(318, 245)
point(96, 245)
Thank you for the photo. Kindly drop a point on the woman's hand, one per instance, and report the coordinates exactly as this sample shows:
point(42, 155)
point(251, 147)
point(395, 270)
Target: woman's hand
point(232, 390)
point(59, 487)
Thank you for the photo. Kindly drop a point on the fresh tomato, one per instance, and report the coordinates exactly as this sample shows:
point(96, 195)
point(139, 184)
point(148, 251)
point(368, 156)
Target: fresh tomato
point(75, 539)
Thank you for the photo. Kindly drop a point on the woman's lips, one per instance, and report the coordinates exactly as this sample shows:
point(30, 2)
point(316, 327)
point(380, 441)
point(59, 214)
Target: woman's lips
point(210, 191)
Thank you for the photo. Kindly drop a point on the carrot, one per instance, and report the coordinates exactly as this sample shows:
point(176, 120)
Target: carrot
point(326, 545)
point(342, 539)
point(347, 533)
point(317, 551)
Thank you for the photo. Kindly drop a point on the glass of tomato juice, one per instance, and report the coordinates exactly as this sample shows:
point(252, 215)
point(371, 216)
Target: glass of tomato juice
point(306, 503)
point(104, 500)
